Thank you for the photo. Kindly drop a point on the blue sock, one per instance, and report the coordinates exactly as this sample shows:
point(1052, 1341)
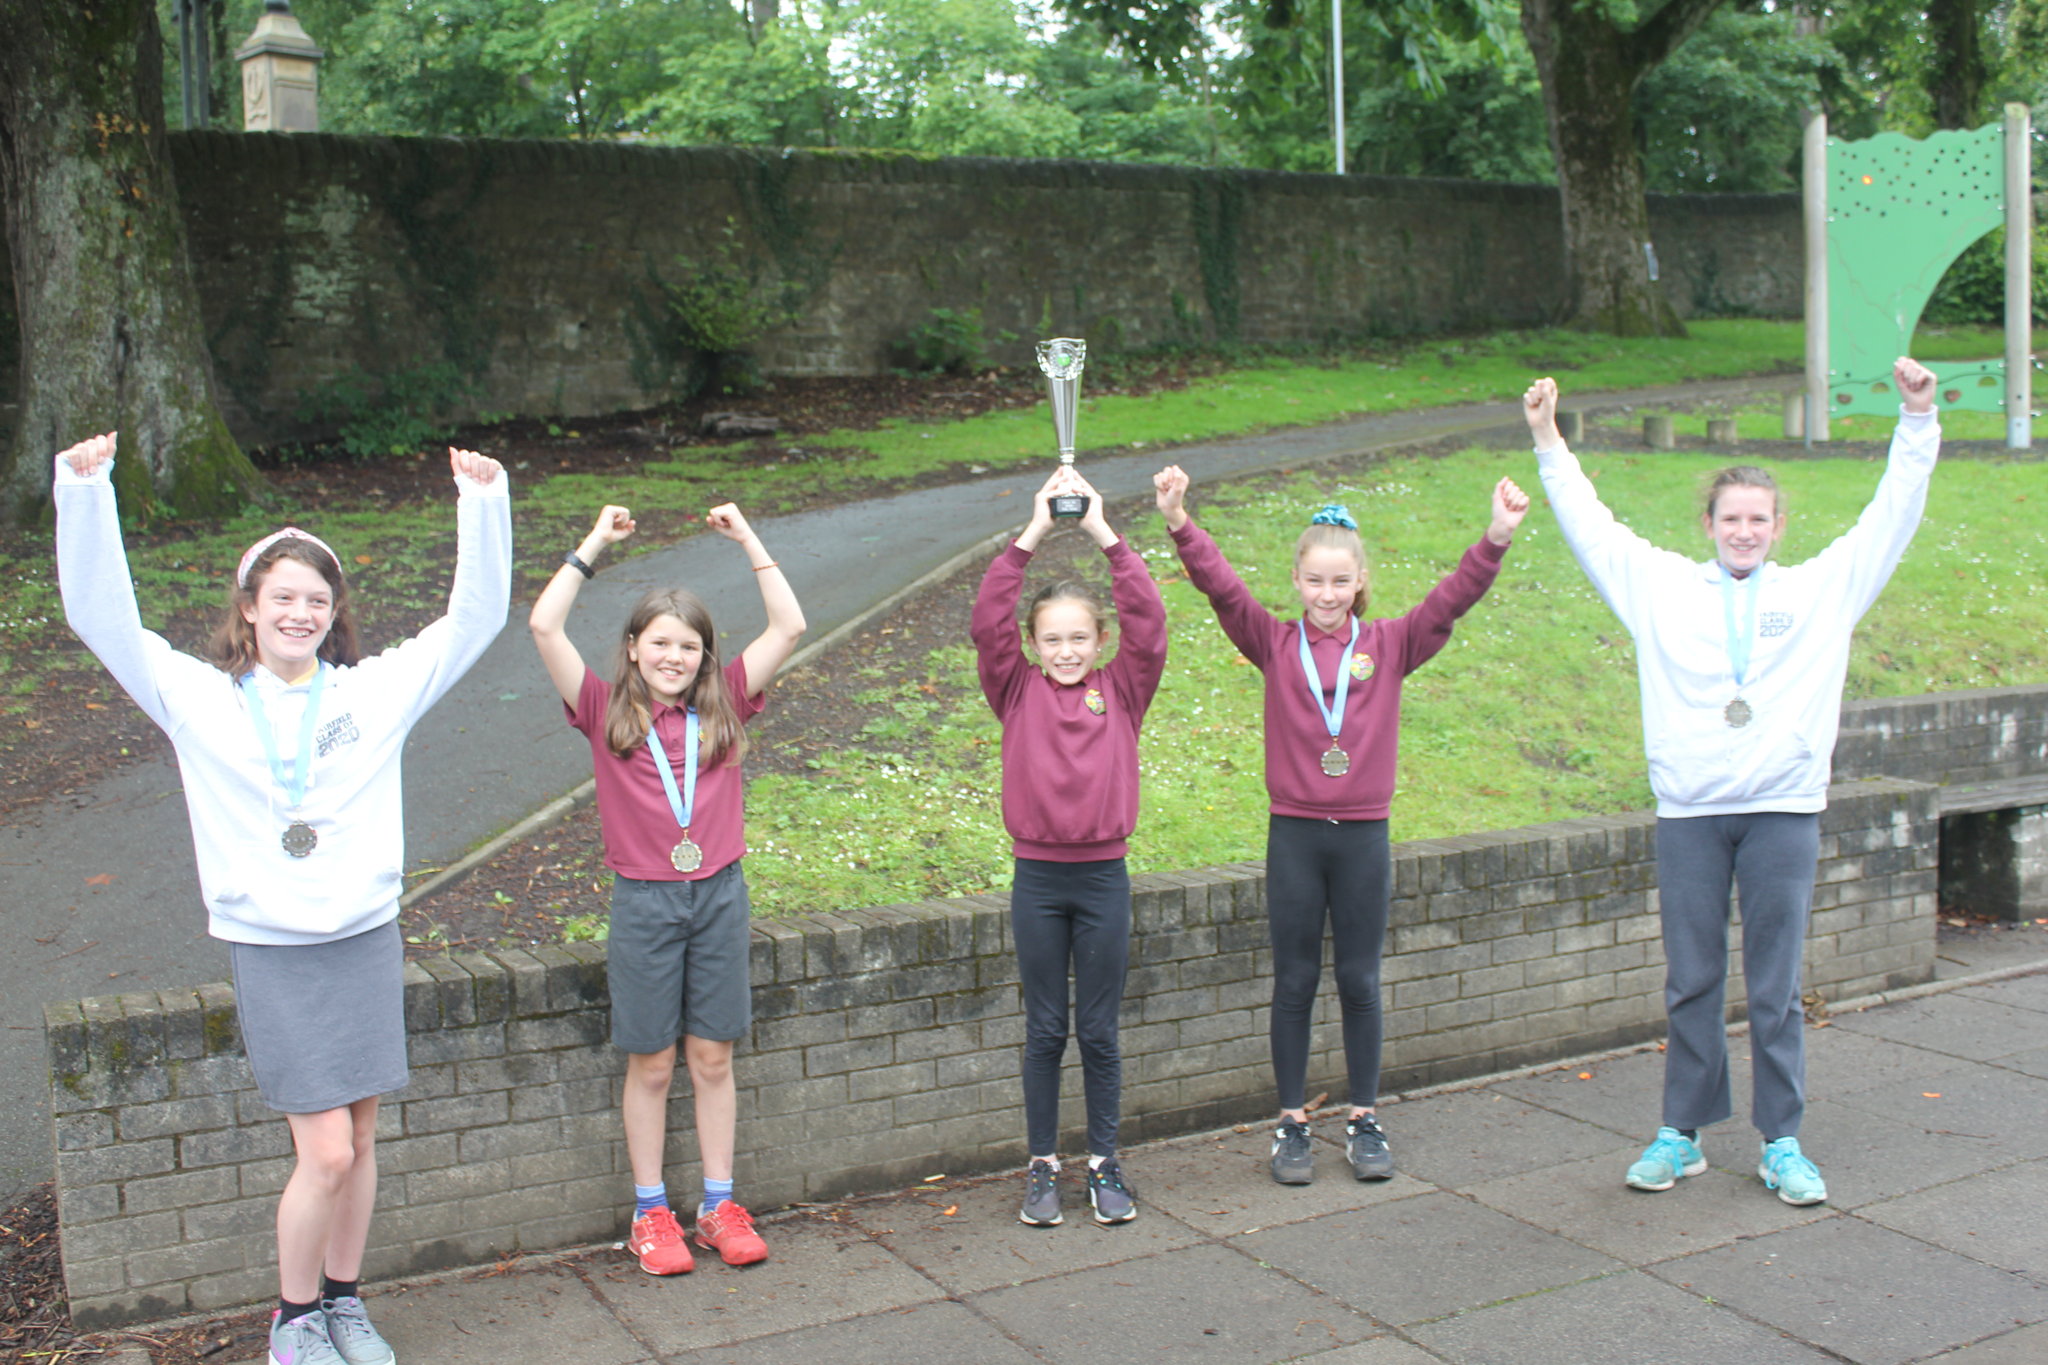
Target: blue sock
point(716, 1192)
point(648, 1198)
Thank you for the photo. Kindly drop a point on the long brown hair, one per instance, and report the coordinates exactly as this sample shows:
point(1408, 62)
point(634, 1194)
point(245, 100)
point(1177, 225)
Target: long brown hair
point(630, 712)
point(1326, 535)
point(233, 646)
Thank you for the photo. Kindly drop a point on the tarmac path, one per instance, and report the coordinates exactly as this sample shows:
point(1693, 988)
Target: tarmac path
point(495, 749)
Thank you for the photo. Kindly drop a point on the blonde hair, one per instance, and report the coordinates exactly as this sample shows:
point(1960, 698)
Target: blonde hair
point(232, 649)
point(1066, 590)
point(1743, 476)
point(1323, 535)
point(630, 713)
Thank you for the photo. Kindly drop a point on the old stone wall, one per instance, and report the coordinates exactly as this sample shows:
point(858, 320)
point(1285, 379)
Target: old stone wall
point(885, 1048)
point(532, 278)
point(1985, 734)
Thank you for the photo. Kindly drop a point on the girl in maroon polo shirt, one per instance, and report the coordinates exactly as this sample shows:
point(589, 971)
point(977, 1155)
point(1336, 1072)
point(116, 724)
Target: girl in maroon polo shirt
point(1333, 716)
point(665, 741)
point(1070, 800)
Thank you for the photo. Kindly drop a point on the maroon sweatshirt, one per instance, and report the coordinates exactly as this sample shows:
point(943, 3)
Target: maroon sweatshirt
point(1387, 651)
point(1070, 754)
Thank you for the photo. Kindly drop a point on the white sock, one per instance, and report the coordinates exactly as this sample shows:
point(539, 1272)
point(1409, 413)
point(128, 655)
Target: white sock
point(1095, 1162)
point(1051, 1161)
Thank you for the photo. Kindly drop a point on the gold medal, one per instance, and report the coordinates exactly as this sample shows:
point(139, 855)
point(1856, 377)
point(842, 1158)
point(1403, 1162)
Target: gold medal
point(1336, 762)
point(300, 839)
point(1737, 713)
point(686, 856)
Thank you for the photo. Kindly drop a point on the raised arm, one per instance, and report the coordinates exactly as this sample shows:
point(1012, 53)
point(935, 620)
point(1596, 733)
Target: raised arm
point(1861, 560)
point(773, 646)
point(1248, 624)
point(549, 620)
point(1427, 628)
point(479, 599)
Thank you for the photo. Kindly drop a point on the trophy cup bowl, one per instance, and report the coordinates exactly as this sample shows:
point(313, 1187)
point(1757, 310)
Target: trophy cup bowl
point(1062, 359)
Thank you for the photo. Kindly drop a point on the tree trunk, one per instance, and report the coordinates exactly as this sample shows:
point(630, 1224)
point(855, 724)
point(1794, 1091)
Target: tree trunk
point(1955, 73)
point(1590, 69)
point(111, 334)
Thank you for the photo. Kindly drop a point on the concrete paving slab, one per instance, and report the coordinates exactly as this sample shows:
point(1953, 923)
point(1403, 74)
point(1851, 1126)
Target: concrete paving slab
point(1994, 1218)
point(2027, 1346)
point(1623, 1319)
point(1219, 1184)
point(1623, 1095)
point(982, 1245)
point(1873, 1295)
point(1378, 1351)
point(1206, 1303)
point(929, 1334)
point(817, 1271)
point(504, 1320)
point(1587, 1202)
point(1961, 1026)
point(2033, 1062)
point(1461, 1139)
point(1839, 1061)
point(2022, 992)
point(1866, 1157)
point(1423, 1258)
point(1984, 1104)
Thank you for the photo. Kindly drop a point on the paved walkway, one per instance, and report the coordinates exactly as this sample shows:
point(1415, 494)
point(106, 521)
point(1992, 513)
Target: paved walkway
point(495, 750)
point(1507, 1237)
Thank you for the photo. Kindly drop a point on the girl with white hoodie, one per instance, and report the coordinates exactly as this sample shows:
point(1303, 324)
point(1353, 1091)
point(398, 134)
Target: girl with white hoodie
point(288, 743)
point(1741, 662)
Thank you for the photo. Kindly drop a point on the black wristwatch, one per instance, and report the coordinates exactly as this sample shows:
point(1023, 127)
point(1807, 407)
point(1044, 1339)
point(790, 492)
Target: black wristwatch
point(575, 561)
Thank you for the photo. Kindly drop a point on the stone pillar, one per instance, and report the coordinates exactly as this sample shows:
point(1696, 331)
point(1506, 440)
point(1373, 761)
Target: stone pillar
point(280, 74)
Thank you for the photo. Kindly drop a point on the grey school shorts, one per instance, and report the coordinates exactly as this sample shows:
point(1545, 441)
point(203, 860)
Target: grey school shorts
point(677, 960)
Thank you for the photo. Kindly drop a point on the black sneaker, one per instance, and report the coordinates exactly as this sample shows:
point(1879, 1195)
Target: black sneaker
point(1114, 1201)
point(1292, 1163)
point(1041, 1196)
point(1365, 1147)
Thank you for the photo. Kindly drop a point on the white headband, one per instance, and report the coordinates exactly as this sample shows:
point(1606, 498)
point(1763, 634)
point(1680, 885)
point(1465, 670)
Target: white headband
point(291, 532)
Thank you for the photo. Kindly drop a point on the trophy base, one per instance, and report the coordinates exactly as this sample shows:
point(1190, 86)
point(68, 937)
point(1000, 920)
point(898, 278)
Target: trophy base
point(1070, 505)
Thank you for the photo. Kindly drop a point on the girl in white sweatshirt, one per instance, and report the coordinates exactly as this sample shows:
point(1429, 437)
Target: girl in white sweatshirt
point(288, 743)
point(1741, 662)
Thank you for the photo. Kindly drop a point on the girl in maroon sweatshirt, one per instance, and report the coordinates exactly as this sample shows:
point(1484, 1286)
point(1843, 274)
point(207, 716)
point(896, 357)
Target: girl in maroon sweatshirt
point(1333, 716)
point(1070, 800)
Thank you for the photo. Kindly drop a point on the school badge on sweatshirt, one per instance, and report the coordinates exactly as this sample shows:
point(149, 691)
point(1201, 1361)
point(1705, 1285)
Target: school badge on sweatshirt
point(1095, 702)
point(1361, 666)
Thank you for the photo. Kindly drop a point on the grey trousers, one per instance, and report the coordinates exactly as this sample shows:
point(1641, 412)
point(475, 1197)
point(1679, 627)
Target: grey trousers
point(1770, 858)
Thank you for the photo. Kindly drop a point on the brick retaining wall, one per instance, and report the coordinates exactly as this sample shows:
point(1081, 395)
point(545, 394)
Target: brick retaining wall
point(885, 1048)
point(1985, 734)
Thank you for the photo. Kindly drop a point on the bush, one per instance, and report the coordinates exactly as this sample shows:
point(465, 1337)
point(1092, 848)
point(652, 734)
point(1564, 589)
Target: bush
point(1973, 290)
point(952, 341)
point(394, 413)
point(718, 313)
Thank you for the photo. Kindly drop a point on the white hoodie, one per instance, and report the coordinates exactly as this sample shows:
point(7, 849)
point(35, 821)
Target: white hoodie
point(255, 892)
point(1805, 614)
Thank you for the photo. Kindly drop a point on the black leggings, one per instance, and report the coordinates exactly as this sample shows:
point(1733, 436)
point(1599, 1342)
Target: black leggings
point(1078, 913)
point(1341, 869)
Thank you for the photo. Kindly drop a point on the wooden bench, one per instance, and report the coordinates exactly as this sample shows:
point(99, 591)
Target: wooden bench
point(1994, 847)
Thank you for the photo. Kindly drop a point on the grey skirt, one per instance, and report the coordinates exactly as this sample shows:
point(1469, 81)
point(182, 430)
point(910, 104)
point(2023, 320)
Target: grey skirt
point(323, 1024)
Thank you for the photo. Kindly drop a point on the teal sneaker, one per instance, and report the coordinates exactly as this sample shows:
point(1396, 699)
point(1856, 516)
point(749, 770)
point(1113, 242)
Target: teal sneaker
point(1786, 1169)
point(1666, 1161)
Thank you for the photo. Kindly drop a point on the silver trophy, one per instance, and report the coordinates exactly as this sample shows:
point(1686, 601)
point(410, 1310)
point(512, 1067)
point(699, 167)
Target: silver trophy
point(1062, 359)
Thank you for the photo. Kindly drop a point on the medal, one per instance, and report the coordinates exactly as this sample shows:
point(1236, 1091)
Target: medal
point(1335, 761)
point(686, 856)
point(299, 838)
point(1737, 713)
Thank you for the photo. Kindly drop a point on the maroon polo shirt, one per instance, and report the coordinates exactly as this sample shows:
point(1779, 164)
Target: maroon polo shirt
point(1387, 651)
point(639, 827)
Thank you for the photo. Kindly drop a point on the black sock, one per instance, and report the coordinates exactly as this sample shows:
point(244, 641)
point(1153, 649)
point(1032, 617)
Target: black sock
point(287, 1311)
point(331, 1289)
point(1689, 1134)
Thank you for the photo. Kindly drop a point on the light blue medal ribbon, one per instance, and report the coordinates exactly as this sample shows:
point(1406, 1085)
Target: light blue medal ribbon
point(1335, 761)
point(299, 837)
point(1738, 712)
point(685, 856)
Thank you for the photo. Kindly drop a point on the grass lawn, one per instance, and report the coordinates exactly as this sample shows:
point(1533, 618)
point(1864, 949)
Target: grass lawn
point(1529, 715)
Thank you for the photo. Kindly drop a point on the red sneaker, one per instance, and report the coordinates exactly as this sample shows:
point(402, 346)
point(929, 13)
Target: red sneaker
point(729, 1231)
point(657, 1239)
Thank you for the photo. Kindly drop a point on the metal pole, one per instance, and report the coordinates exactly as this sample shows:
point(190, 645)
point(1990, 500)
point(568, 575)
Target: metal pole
point(2019, 279)
point(1337, 76)
point(1815, 161)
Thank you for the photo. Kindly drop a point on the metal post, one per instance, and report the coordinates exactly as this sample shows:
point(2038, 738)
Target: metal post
point(1337, 77)
point(2019, 279)
point(1815, 161)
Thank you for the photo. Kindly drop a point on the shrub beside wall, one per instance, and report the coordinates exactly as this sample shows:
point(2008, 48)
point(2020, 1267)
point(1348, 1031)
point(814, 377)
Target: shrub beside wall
point(885, 1047)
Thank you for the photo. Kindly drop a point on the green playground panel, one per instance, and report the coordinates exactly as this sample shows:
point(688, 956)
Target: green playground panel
point(1899, 213)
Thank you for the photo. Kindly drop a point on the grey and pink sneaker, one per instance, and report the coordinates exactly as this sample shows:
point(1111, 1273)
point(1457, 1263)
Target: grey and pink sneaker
point(348, 1327)
point(302, 1341)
